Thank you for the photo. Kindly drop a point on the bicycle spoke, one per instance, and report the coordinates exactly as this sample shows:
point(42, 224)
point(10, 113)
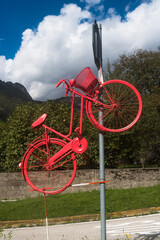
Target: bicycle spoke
point(124, 111)
point(107, 94)
point(60, 164)
point(55, 179)
point(38, 158)
point(104, 116)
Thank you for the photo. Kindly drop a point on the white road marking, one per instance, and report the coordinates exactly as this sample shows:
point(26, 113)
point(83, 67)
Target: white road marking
point(133, 225)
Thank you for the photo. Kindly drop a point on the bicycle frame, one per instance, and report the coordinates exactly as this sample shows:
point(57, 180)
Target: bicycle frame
point(79, 144)
point(72, 143)
point(92, 98)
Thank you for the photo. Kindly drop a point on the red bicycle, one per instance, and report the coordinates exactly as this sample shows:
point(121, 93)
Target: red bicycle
point(49, 164)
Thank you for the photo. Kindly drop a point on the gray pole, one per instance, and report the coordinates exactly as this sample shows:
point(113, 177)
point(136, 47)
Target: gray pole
point(102, 187)
point(97, 50)
point(101, 164)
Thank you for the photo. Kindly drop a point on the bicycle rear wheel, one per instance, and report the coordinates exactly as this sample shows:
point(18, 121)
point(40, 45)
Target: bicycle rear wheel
point(58, 177)
point(120, 109)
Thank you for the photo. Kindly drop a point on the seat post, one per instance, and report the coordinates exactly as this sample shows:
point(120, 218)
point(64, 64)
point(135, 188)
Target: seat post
point(71, 117)
point(81, 115)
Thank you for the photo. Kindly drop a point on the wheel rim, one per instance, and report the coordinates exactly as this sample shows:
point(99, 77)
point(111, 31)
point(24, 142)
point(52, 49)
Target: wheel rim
point(122, 113)
point(52, 181)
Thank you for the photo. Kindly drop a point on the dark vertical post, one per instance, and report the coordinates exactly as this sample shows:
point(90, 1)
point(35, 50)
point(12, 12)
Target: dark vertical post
point(97, 50)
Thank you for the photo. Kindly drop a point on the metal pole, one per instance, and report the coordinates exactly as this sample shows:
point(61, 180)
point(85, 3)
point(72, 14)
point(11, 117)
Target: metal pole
point(102, 187)
point(101, 162)
point(97, 51)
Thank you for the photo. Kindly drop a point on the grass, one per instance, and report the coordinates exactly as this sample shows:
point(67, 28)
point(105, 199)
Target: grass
point(80, 203)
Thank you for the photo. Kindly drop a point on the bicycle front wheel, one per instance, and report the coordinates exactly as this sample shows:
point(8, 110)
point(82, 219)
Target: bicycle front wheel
point(117, 108)
point(58, 177)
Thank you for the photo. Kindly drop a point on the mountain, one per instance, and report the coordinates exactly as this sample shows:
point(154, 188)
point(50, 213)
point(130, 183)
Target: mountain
point(68, 101)
point(11, 94)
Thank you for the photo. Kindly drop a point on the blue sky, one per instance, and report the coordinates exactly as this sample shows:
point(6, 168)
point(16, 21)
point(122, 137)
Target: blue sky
point(18, 15)
point(44, 41)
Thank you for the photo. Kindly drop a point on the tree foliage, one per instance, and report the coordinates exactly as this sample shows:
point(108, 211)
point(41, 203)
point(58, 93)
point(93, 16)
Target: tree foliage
point(142, 69)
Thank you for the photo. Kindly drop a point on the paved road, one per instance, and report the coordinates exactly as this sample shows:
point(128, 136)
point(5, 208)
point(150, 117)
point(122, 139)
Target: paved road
point(143, 227)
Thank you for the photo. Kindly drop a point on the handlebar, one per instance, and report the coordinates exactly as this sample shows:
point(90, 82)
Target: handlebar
point(66, 87)
point(61, 81)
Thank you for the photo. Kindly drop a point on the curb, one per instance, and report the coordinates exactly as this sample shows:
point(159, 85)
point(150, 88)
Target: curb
point(76, 219)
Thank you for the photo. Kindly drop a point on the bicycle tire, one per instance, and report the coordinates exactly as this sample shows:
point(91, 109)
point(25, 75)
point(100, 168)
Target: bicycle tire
point(59, 177)
point(124, 107)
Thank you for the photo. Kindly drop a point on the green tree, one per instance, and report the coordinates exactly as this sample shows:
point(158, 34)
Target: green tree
point(19, 134)
point(3, 130)
point(142, 69)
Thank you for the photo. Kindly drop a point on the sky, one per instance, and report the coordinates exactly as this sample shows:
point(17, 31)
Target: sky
point(42, 42)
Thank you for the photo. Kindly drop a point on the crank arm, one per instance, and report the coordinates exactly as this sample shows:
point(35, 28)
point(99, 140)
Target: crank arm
point(77, 145)
point(60, 153)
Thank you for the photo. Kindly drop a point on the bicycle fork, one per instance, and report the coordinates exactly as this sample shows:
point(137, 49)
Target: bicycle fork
point(77, 145)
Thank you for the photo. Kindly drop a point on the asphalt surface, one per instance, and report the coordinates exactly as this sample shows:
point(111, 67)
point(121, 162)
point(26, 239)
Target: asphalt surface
point(140, 227)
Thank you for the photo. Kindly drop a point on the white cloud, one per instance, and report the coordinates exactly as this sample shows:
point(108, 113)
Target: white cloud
point(141, 29)
point(95, 5)
point(128, 6)
point(53, 52)
point(62, 45)
point(111, 11)
point(5, 68)
point(92, 2)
